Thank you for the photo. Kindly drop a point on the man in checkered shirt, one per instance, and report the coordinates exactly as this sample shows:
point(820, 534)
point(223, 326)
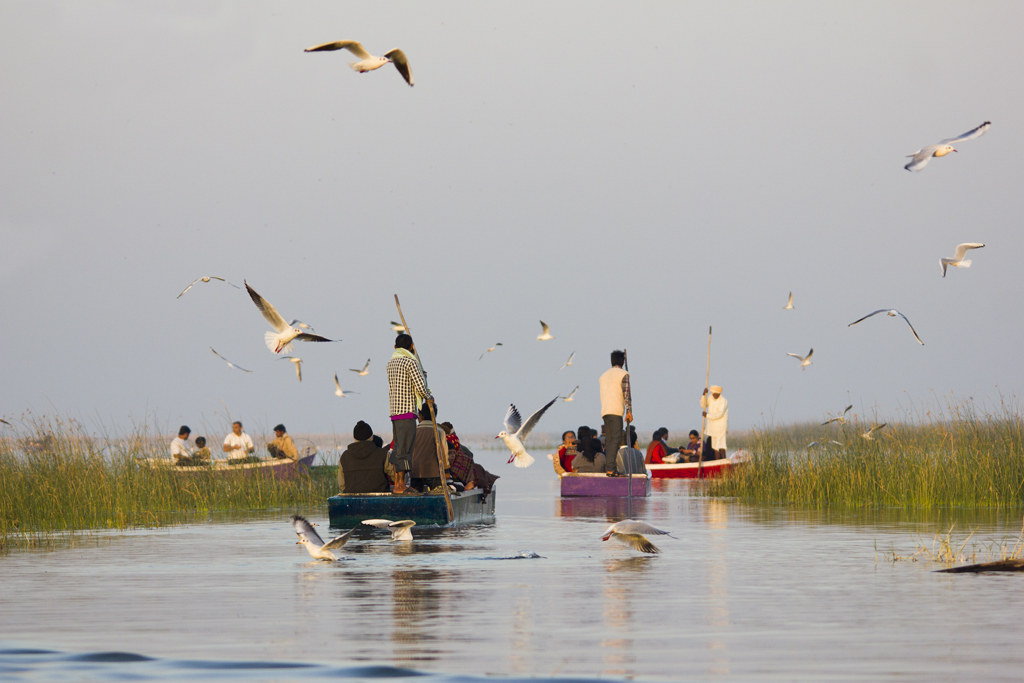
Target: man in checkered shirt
point(405, 384)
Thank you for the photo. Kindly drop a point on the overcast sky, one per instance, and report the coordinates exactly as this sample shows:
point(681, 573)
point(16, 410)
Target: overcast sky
point(630, 173)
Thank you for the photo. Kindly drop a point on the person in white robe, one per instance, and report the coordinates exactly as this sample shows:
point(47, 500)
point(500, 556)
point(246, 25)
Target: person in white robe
point(716, 410)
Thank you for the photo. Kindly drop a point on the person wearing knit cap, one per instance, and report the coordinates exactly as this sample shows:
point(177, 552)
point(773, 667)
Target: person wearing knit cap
point(282, 446)
point(716, 410)
point(364, 466)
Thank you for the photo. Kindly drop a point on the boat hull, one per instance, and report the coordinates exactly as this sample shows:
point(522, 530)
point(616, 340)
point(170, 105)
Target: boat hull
point(347, 510)
point(278, 469)
point(600, 485)
point(691, 470)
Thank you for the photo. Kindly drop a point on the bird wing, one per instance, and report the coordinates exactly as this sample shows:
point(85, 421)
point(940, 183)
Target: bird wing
point(353, 46)
point(268, 311)
point(305, 530)
point(403, 524)
point(637, 542)
point(911, 329)
point(379, 523)
point(338, 541)
point(189, 287)
point(921, 158)
point(632, 526)
point(961, 249)
point(881, 310)
point(795, 356)
point(790, 302)
point(305, 336)
point(848, 409)
point(573, 391)
point(875, 428)
point(571, 356)
point(970, 135)
point(525, 430)
point(809, 354)
point(544, 329)
point(401, 63)
point(298, 370)
point(336, 385)
point(230, 364)
point(513, 420)
point(830, 421)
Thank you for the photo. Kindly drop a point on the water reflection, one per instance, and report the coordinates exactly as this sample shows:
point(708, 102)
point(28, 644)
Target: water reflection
point(717, 613)
point(613, 509)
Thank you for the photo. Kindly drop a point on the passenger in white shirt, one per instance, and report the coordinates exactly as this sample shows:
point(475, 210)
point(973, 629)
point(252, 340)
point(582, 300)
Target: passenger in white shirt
point(237, 444)
point(180, 452)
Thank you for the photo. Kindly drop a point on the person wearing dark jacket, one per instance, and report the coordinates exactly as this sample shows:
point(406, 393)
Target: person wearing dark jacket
point(364, 466)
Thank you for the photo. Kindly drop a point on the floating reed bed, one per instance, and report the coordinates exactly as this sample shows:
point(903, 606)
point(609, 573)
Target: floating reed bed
point(955, 459)
point(56, 478)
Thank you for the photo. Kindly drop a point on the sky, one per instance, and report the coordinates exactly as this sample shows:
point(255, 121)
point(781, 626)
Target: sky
point(630, 173)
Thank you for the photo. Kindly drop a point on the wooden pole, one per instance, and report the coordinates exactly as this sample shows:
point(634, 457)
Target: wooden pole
point(433, 423)
point(704, 422)
point(628, 459)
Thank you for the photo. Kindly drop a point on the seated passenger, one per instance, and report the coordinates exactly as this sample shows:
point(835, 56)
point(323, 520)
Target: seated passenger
point(691, 451)
point(590, 459)
point(282, 446)
point(364, 466)
point(566, 452)
point(630, 460)
point(202, 455)
point(464, 467)
point(659, 451)
point(181, 454)
point(424, 470)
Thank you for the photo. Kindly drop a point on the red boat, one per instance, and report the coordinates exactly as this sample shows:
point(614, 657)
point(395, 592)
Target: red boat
point(690, 470)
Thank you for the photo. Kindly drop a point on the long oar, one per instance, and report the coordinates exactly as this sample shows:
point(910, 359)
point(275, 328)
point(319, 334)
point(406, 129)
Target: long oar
point(628, 459)
point(707, 383)
point(433, 423)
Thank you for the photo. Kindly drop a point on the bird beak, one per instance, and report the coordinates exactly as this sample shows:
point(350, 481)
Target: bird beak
point(956, 150)
point(497, 437)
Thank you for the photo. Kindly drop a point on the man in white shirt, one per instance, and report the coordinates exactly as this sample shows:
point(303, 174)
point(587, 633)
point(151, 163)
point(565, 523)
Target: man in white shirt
point(615, 400)
point(180, 452)
point(238, 444)
point(716, 409)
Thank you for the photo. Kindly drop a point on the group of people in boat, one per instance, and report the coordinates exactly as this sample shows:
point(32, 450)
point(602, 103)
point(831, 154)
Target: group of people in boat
point(238, 445)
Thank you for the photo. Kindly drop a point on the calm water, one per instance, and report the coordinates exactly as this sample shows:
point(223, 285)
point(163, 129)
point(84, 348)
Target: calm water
point(745, 593)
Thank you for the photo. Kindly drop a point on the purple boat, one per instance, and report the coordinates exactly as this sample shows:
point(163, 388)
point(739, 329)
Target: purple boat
point(600, 485)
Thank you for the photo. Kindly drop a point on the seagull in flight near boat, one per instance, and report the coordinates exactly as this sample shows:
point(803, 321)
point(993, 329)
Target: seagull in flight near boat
point(400, 531)
point(338, 391)
point(298, 365)
point(314, 544)
point(869, 435)
point(397, 327)
point(230, 364)
point(804, 360)
point(841, 419)
point(573, 393)
point(893, 313)
point(545, 332)
point(206, 278)
point(515, 433)
point(496, 345)
point(631, 533)
point(789, 304)
point(282, 339)
point(364, 372)
point(958, 257)
point(368, 62)
point(922, 156)
point(568, 362)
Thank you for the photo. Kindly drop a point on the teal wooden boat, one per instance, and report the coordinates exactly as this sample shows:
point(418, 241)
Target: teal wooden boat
point(347, 510)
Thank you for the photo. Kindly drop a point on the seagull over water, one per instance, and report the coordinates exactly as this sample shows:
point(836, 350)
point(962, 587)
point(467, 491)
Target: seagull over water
point(545, 332)
point(515, 433)
point(922, 156)
point(568, 362)
point(869, 435)
point(400, 531)
point(958, 257)
point(368, 62)
point(298, 365)
point(496, 345)
point(338, 391)
point(364, 372)
point(804, 360)
point(893, 313)
point(631, 533)
point(206, 278)
point(841, 419)
point(281, 340)
point(314, 544)
point(573, 393)
point(230, 364)
point(789, 304)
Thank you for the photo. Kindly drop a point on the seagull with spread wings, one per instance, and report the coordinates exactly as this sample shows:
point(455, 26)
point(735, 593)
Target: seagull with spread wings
point(922, 156)
point(364, 372)
point(545, 332)
point(515, 433)
point(397, 327)
point(338, 391)
point(804, 360)
point(958, 257)
point(789, 304)
point(400, 531)
point(568, 362)
point(631, 533)
point(496, 345)
point(230, 364)
point(571, 394)
point(281, 340)
point(841, 419)
point(869, 435)
point(368, 62)
point(314, 544)
point(892, 312)
point(205, 278)
point(298, 365)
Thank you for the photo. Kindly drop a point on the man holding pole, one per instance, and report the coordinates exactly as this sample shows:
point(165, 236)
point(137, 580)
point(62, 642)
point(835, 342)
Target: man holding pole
point(716, 410)
point(407, 389)
point(615, 400)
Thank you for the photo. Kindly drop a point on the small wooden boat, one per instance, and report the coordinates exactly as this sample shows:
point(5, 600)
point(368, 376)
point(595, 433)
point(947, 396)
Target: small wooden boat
point(600, 485)
point(347, 510)
point(690, 470)
point(279, 468)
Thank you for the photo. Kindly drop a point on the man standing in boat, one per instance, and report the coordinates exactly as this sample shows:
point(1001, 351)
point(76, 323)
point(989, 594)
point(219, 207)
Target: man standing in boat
point(615, 400)
point(716, 410)
point(407, 389)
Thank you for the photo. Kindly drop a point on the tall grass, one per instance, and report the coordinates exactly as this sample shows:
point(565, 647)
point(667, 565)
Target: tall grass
point(959, 458)
point(54, 477)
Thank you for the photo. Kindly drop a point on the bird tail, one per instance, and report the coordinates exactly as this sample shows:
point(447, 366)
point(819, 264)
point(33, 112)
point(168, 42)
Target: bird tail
point(271, 339)
point(965, 264)
point(523, 460)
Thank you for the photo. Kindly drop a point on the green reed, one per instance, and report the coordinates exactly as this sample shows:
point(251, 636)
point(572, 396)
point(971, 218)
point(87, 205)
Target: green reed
point(54, 477)
point(957, 458)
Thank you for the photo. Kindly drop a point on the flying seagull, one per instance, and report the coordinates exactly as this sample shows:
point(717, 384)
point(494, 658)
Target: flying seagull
point(338, 391)
point(789, 304)
point(368, 62)
point(314, 544)
point(515, 433)
point(570, 396)
point(841, 419)
point(282, 339)
point(298, 365)
point(545, 332)
point(364, 372)
point(958, 257)
point(630, 532)
point(230, 364)
point(299, 323)
point(400, 531)
point(874, 428)
point(922, 156)
point(397, 327)
point(890, 312)
point(804, 360)
point(496, 345)
point(568, 362)
point(207, 278)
